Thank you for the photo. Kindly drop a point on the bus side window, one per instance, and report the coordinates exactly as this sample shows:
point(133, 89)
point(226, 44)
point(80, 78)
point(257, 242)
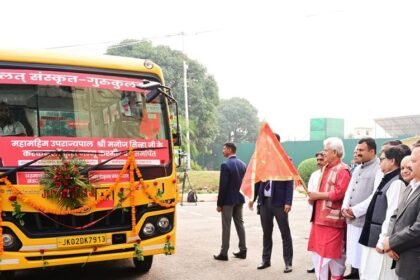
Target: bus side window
point(19, 115)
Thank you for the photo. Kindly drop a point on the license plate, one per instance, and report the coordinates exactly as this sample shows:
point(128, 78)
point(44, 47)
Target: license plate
point(81, 241)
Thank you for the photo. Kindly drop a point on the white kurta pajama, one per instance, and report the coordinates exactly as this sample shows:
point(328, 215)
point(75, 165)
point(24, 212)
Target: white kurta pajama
point(353, 248)
point(358, 195)
point(375, 266)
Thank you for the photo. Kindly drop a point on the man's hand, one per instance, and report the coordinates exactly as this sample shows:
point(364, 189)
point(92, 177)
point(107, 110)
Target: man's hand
point(251, 205)
point(315, 196)
point(219, 209)
point(347, 213)
point(393, 255)
point(287, 208)
point(379, 250)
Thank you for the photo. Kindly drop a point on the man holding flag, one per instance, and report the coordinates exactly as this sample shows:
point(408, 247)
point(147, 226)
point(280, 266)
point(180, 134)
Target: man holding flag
point(275, 201)
point(274, 173)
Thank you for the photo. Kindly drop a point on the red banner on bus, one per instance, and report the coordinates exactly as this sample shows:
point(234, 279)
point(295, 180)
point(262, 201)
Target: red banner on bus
point(35, 77)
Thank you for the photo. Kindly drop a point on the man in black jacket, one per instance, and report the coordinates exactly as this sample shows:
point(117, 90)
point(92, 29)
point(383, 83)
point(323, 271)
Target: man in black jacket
point(275, 201)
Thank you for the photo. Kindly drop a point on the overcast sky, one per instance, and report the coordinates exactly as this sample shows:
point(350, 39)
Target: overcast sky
point(356, 60)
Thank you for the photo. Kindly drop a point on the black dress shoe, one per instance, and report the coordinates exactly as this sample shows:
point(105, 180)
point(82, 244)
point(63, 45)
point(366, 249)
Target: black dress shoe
point(311, 270)
point(264, 265)
point(240, 254)
point(220, 257)
point(353, 275)
point(288, 268)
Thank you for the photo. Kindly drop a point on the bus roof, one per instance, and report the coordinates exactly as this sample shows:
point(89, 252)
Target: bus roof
point(68, 59)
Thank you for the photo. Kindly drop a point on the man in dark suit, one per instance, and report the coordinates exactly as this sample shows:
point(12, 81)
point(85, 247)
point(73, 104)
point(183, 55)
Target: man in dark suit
point(275, 201)
point(403, 243)
point(230, 201)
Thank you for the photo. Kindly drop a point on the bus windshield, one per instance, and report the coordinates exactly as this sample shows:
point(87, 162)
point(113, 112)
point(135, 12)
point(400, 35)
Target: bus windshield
point(78, 111)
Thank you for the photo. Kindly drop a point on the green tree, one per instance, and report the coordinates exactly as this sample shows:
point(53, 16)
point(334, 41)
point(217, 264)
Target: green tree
point(238, 123)
point(203, 93)
point(238, 120)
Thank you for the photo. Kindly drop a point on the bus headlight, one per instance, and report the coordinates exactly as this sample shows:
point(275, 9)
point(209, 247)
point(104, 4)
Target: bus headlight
point(8, 240)
point(163, 223)
point(148, 229)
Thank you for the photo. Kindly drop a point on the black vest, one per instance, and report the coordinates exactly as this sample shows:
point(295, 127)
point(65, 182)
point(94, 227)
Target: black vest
point(376, 212)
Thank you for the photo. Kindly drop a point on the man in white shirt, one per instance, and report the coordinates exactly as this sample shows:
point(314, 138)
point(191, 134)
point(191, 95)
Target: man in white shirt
point(9, 127)
point(360, 188)
point(313, 184)
point(314, 179)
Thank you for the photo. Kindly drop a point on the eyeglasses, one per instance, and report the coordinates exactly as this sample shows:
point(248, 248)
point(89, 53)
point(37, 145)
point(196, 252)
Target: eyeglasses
point(382, 158)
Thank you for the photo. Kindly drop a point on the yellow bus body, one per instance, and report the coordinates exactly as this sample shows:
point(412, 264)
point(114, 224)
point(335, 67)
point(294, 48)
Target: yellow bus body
point(46, 251)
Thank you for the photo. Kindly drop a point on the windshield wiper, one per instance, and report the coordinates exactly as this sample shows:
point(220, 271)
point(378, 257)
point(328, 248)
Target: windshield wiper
point(120, 153)
point(47, 153)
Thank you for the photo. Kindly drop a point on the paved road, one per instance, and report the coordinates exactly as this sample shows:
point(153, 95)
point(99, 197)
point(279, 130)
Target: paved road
point(198, 239)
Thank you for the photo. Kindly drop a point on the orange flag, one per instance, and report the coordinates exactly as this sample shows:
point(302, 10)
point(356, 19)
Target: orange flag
point(269, 162)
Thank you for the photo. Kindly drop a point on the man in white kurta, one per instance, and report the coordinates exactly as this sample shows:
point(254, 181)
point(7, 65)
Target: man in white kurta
point(360, 188)
point(375, 264)
point(313, 184)
point(314, 179)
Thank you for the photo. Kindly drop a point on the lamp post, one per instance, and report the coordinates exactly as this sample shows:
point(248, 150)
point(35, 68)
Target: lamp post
point(187, 125)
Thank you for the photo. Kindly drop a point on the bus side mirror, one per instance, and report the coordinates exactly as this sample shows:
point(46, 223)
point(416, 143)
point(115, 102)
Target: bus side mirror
point(177, 138)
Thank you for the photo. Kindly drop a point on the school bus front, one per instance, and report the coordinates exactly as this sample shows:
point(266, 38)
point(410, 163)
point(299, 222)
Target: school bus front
point(87, 170)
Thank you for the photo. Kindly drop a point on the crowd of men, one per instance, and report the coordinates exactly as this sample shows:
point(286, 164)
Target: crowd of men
point(369, 216)
point(366, 215)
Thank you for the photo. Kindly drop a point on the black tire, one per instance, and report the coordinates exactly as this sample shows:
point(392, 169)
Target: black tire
point(143, 266)
point(7, 275)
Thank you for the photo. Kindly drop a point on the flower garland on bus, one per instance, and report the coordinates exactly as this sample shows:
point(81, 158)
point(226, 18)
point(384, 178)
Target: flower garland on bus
point(168, 247)
point(130, 165)
point(65, 183)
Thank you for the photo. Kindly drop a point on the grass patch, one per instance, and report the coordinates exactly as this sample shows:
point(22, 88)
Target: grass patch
point(201, 181)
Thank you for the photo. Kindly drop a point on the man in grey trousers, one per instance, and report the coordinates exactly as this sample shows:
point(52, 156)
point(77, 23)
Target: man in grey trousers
point(230, 201)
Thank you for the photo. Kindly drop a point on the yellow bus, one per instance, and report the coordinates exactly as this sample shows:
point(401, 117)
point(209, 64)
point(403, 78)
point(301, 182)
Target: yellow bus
point(86, 160)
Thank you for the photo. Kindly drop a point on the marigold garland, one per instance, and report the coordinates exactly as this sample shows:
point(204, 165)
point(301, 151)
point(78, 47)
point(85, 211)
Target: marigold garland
point(132, 161)
point(130, 165)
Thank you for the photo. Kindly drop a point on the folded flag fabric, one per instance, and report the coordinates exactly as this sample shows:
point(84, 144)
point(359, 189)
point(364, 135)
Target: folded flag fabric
point(269, 162)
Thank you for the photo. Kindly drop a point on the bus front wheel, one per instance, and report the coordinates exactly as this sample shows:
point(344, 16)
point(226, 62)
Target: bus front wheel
point(143, 266)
